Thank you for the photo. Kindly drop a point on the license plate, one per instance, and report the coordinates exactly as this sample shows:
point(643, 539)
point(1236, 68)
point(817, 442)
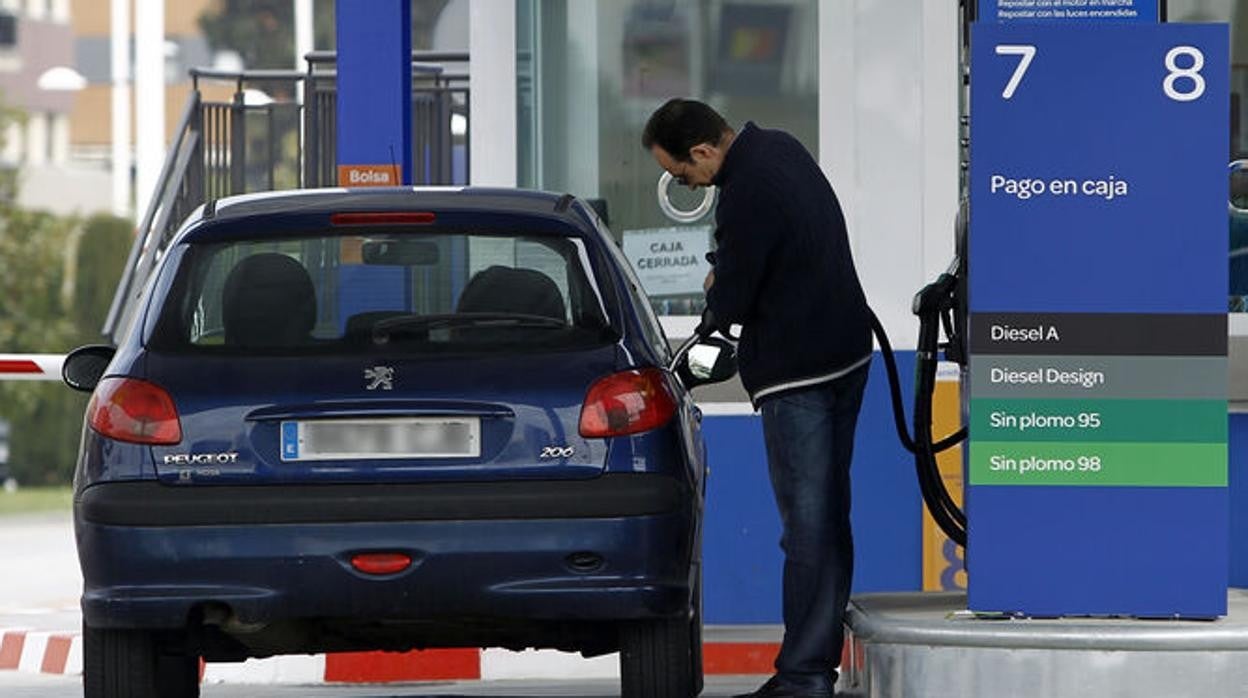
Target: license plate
point(361, 439)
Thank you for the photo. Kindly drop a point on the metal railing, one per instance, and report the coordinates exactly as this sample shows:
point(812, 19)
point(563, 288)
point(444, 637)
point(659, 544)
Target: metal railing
point(264, 138)
point(440, 108)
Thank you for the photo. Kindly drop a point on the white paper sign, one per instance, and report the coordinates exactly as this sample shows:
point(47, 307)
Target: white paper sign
point(669, 261)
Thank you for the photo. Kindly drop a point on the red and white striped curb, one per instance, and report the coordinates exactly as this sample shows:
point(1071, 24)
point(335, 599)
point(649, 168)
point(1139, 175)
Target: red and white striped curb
point(31, 367)
point(41, 652)
point(61, 653)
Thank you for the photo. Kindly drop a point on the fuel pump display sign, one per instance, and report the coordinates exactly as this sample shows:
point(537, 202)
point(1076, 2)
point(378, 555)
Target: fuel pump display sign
point(1098, 292)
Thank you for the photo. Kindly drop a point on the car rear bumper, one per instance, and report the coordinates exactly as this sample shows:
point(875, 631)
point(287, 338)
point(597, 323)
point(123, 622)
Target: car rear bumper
point(152, 556)
point(150, 503)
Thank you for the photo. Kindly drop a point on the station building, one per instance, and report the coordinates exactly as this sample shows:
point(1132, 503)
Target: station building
point(561, 90)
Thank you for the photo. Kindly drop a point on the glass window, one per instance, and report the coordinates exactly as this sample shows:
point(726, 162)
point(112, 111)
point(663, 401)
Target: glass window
point(428, 293)
point(1234, 12)
point(590, 73)
point(649, 322)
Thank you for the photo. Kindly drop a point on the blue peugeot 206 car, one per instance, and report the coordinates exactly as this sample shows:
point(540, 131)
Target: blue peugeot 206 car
point(390, 419)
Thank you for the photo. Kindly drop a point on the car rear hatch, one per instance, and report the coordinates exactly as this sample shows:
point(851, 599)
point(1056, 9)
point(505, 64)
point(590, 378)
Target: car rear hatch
point(388, 352)
point(350, 419)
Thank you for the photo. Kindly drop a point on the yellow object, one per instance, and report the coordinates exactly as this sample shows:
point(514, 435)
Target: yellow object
point(943, 567)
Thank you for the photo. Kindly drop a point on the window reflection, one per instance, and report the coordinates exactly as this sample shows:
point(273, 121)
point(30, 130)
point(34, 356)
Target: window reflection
point(592, 71)
point(1234, 12)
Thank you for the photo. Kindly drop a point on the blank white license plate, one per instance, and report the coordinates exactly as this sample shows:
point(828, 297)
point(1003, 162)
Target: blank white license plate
point(358, 439)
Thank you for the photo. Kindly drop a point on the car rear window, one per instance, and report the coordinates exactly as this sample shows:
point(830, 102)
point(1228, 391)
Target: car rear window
point(393, 291)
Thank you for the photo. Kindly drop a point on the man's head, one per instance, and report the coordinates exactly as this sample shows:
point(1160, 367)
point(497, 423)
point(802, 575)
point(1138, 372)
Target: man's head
point(688, 139)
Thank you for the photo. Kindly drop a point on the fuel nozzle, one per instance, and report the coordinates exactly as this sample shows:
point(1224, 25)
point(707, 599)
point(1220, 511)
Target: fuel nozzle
point(706, 327)
point(935, 297)
point(934, 305)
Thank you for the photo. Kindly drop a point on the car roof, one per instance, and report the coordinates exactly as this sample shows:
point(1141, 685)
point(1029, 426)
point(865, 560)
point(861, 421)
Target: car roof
point(303, 205)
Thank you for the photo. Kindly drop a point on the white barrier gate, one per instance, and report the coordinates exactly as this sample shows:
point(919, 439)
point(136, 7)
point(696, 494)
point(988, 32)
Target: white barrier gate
point(31, 367)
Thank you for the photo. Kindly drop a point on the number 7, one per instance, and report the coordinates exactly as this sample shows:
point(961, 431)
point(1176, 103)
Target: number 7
point(1027, 52)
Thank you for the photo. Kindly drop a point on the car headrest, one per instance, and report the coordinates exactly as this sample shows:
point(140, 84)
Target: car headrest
point(500, 289)
point(268, 300)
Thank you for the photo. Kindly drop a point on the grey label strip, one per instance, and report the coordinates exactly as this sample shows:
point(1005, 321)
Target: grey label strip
point(1098, 334)
point(1099, 377)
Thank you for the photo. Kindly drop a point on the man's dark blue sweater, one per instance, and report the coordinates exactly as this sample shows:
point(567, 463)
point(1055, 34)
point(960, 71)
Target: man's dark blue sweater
point(783, 268)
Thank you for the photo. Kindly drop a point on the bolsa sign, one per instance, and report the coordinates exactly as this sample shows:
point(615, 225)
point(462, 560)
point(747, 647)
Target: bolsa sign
point(368, 176)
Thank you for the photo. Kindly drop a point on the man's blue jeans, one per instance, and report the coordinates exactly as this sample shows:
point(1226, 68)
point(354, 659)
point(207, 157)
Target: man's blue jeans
point(810, 440)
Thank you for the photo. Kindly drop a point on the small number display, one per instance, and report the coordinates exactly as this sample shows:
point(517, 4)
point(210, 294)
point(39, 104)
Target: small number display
point(1175, 86)
point(1026, 53)
point(1190, 73)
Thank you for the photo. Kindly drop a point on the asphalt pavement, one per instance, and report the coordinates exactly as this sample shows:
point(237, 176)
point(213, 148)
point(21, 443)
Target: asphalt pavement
point(39, 588)
point(38, 568)
point(39, 578)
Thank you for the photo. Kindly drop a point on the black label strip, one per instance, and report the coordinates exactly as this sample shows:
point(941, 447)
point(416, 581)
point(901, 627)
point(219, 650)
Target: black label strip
point(1098, 334)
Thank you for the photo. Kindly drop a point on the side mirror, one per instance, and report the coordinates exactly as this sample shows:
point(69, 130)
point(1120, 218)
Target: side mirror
point(84, 366)
point(709, 360)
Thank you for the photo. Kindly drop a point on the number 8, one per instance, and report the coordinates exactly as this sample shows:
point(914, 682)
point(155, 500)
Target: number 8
point(1192, 73)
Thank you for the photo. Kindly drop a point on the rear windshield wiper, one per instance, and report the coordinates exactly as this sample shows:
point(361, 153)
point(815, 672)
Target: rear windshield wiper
point(382, 330)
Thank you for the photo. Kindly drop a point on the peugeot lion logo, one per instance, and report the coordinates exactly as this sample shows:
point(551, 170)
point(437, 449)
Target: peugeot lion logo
point(379, 377)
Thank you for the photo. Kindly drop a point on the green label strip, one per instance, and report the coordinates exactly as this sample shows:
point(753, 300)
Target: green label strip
point(1098, 464)
point(1154, 421)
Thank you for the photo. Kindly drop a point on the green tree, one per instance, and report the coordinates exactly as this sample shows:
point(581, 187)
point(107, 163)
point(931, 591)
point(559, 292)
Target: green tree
point(102, 251)
point(57, 277)
point(32, 263)
point(263, 31)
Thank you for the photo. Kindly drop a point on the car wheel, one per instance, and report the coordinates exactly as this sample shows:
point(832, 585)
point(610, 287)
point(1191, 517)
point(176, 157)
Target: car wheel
point(130, 664)
point(655, 659)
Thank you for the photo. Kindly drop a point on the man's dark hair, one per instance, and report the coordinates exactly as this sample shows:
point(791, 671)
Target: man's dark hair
point(681, 124)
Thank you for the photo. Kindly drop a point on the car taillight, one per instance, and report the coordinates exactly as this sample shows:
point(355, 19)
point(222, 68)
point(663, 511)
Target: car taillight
point(381, 563)
point(129, 409)
point(627, 403)
point(383, 218)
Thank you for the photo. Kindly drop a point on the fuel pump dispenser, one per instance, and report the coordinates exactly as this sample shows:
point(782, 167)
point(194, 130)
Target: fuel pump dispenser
point(1090, 334)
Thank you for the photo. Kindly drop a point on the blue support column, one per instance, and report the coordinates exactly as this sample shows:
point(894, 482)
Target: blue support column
point(374, 92)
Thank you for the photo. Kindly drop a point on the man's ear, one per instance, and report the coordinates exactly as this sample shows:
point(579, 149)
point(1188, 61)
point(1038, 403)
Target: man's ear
point(702, 151)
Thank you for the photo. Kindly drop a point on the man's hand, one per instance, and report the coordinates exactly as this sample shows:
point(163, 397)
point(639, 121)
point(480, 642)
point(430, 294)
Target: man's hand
point(709, 281)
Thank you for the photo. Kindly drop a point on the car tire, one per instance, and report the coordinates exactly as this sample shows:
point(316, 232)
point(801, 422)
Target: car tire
point(655, 659)
point(695, 640)
point(130, 664)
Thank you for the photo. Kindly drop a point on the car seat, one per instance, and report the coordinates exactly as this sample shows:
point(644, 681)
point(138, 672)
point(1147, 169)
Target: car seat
point(268, 301)
point(499, 289)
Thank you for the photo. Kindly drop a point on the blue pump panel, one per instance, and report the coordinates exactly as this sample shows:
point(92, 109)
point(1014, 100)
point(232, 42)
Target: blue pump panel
point(1097, 466)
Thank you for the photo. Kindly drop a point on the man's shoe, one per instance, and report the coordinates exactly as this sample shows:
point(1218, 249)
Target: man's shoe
point(781, 687)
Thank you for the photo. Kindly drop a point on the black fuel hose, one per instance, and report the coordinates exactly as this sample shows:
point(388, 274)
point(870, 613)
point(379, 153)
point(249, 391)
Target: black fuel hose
point(894, 386)
point(945, 512)
point(706, 327)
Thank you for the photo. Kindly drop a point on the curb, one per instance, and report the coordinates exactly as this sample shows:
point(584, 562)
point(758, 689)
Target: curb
point(61, 653)
point(41, 652)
